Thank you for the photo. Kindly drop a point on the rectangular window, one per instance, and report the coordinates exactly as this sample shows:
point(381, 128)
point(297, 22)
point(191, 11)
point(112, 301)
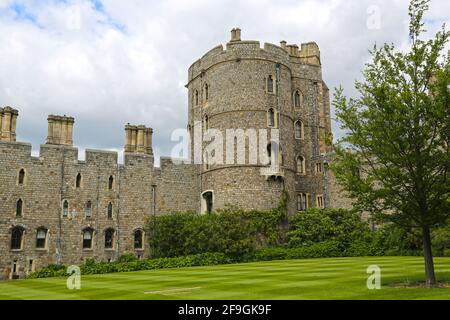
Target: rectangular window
point(40, 239)
point(88, 210)
point(302, 202)
point(319, 168)
point(320, 202)
point(87, 239)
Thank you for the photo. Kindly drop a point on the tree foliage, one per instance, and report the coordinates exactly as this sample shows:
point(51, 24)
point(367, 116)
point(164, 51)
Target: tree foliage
point(395, 159)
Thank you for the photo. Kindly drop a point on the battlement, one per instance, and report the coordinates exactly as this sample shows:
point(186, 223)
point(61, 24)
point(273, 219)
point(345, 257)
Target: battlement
point(238, 49)
point(59, 143)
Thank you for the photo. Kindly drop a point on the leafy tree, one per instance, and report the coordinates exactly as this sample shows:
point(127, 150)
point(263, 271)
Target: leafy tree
point(395, 159)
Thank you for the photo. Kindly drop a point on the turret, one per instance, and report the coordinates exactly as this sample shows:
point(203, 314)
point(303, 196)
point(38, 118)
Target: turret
point(310, 53)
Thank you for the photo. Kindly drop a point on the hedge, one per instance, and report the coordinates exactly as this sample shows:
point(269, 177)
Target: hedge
point(92, 267)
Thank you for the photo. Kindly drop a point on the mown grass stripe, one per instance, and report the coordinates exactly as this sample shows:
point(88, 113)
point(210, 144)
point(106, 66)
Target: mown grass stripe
point(340, 278)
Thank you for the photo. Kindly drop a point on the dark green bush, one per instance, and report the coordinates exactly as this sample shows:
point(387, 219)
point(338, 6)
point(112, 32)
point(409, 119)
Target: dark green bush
point(233, 231)
point(315, 226)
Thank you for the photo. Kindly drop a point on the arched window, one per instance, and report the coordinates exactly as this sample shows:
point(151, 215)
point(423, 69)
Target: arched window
point(88, 209)
point(297, 99)
point(109, 238)
point(21, 178)
point(17, 238)
point(41, 238)
point(110, 210)
point(196, 97)
point(19, 208)
point(301, 168)
point(138, 239)
point(205, 123)
point(65, 208)
point(298, 128)
point(270, 84)
point(271, 118)
point(111, 182)
point(78, 181)
point(88, 235)
point(206, 92)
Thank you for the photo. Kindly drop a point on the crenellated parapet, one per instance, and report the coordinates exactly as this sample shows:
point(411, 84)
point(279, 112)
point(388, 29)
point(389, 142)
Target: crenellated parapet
point(8, 122)
point(238, 49)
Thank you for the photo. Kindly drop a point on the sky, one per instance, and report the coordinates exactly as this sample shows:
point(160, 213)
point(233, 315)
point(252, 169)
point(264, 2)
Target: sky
point(111, 62)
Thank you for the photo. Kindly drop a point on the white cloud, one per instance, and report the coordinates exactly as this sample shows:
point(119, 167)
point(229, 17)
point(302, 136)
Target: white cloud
point(112, 62)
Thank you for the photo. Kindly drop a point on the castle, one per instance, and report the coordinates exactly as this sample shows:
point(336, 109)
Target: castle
point(55, 208)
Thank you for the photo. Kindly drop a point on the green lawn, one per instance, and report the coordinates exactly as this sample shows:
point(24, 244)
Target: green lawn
point(337, 278)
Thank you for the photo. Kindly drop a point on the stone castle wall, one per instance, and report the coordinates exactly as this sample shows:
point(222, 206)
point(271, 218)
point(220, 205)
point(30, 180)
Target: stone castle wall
point(229, 87)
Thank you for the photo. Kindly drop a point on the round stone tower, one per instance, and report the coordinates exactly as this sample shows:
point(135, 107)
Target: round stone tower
point(248, 104)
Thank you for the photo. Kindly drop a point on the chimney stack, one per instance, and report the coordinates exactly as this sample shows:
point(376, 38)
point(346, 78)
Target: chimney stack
point(60, 129)
point(8, 121)
point(138, 139)
point(235, 34)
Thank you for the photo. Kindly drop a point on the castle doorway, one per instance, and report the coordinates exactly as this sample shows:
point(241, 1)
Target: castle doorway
point(207, 202)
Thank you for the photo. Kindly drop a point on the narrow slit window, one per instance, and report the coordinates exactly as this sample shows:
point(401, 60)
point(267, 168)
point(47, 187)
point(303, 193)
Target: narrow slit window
point(110, 210)
point(78, 181)
point(21, 176)
point(19, 208)
point(111, 182)
point(65, 208)
point(270, 84)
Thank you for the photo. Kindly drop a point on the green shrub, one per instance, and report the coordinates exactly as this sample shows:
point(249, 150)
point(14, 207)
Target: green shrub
point(232, 231)
point(127, 257)
point(315, 226)
point(92, 267)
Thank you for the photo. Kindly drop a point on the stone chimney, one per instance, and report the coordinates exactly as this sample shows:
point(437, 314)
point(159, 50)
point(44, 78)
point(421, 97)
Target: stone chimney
point(60, 129)
point(283, 44)
point(293, 50)
point(8, 121)
point(235, 34)
point(138, 139)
